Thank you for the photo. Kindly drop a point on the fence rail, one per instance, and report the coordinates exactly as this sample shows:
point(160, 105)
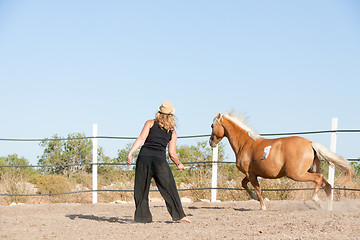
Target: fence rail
point(184, 137)
point(122, 164)
point(181, 190)
point(125, 164)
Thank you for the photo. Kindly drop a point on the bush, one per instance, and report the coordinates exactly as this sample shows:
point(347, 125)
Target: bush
point(15, 178)
point(25, 172)
point(356, 166)
point(113, 178)
point(14, 183)
point(83, 179)
point(50, 184)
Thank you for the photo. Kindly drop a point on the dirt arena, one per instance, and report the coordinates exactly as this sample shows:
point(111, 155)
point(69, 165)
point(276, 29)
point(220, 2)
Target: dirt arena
point(223, 220)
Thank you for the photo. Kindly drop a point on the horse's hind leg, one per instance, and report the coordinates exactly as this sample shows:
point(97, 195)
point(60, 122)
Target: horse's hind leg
point(327, 188)
point(315, 168)
point(317, 178)
point(257, 189)
point(244, 183)
point(325, 185)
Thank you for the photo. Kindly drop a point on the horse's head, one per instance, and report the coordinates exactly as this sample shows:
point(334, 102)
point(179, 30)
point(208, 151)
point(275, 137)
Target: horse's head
point(218, 131)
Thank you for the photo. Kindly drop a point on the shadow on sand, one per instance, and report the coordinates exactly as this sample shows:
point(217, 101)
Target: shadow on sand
point(195, 208)
point(243, 209)
point(126, 220)
point(101, 219)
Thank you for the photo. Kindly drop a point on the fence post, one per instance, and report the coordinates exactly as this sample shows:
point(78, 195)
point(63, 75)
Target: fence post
point(331, 178)
point(214, 174)
point(94, 166)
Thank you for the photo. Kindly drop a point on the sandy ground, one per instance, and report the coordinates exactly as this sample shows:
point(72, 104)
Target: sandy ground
point(225, 220)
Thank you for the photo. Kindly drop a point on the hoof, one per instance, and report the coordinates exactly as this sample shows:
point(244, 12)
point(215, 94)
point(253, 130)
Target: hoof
point(329, 205)
point(254, 196)
point(316, 200)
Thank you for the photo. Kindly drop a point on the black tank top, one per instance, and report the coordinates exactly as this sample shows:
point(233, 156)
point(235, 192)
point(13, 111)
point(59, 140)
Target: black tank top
point(156, 142)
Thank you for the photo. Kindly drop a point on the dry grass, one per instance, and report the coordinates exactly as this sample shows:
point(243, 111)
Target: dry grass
point(116, 179)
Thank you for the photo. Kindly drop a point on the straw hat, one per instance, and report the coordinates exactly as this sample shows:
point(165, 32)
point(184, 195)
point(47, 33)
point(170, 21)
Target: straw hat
point(166, 108)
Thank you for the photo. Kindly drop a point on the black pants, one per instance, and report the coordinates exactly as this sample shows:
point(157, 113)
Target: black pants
point(148, 167)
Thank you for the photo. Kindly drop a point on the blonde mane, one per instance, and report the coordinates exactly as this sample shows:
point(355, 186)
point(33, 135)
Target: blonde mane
point(240, 121)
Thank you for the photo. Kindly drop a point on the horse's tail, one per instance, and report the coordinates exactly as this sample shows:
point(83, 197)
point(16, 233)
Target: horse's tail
point(330, 157)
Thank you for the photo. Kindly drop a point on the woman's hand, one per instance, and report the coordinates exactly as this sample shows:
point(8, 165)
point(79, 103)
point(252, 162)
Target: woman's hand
point(129, 159)
point(180, 166)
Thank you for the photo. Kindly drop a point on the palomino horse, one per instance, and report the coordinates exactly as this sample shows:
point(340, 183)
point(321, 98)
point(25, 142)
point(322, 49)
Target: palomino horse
point(294, 157)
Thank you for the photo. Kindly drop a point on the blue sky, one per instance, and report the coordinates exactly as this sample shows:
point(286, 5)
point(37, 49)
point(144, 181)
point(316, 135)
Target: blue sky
point(289, 65)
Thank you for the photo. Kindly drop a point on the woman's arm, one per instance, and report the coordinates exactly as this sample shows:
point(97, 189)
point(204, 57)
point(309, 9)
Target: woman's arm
point(140, 140)
point(172, 151)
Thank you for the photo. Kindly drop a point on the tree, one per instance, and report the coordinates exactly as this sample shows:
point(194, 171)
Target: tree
point(202, 152)
point(14, 160)
point(120, 162)
point(75, 153)
point(356, 166)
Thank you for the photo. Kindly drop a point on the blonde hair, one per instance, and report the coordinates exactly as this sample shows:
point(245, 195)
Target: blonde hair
point(166, 121)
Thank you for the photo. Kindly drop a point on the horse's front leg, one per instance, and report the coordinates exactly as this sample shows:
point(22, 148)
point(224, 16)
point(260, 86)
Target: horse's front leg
point(244, 183)
point(255, 183)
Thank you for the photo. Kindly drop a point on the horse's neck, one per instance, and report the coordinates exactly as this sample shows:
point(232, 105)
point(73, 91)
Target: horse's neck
point(236, 135)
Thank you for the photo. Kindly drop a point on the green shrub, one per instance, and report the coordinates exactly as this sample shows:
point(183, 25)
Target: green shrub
point(24, 172)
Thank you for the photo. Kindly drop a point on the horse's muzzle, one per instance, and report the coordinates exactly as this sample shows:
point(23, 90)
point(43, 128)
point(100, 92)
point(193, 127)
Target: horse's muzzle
point(212, 143)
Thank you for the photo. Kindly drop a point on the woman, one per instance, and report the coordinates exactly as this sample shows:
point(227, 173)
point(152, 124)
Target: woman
point(151, 163)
